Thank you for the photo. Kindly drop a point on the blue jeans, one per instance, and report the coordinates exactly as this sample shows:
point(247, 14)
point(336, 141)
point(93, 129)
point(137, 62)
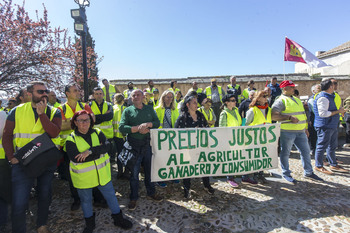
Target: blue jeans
point(300, 140)
point(146, 160)
point(108, 193)
point(21, 186)
point(327, 140)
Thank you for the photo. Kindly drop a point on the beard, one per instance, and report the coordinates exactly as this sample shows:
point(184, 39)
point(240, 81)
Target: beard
point(39, 99)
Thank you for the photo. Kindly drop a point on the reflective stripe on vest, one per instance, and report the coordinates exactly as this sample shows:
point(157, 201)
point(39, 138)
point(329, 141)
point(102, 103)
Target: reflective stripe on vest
point(231, 120)
point(89, 174)
point(295, 109)
point(208, 92)
point(106, 126)
point(27, 127)
point(208, 118)
point(259, 118)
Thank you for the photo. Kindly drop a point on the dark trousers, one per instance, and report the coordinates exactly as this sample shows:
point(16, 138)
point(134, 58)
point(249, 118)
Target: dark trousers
point(21, 187)
point(119, 142)
point(312, 137)
point(187, 183)
point(216, 108)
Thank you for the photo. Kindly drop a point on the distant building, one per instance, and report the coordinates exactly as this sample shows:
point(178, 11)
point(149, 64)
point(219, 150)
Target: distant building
point(338, 57)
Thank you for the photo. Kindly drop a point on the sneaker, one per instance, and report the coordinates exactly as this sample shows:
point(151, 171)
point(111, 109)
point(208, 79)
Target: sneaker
point(75, 205)
point(161, 184)
point(132, 205)
point(209, 190)
point(338, 169)
point(249, 181)
point(175, 181)
point(346, 145)
point(323, 170)
point(156, 198)
point(290, 179)
point(313, 176)
point(232, 183)
point(187, 194)
point(325, 163)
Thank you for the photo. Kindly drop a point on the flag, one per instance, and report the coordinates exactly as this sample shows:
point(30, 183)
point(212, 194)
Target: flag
point(295, 52)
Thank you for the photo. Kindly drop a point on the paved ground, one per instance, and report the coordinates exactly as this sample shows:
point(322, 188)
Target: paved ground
point(276, 207)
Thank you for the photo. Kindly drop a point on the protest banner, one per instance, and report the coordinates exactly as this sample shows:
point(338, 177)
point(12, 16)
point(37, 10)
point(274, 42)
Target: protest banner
point(221, 151)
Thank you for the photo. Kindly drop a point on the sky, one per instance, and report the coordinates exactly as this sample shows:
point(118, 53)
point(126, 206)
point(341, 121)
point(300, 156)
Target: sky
point(155, 39)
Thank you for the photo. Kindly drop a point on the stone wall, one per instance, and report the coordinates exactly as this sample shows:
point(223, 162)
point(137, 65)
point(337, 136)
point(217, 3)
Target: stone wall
point(304, 82)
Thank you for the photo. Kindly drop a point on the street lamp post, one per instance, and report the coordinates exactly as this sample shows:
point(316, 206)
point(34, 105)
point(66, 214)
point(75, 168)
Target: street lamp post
point(80, 27)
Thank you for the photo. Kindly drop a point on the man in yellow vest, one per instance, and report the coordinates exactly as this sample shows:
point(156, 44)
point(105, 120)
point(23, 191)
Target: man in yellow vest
point(290, 112)
point(103, 112)
point(235, 89)
point(195, 88)
point(150, 89)
point(23, 124)
point(215, 93)
point(109, 90)
point(73, 95)
point(53, 100)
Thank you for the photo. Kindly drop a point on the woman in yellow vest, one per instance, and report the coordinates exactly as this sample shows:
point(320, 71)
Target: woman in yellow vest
point(167, 114)
point(208, 112)
point(119, 138)
point(90, 167)
point(259, 114)
point(229, 117)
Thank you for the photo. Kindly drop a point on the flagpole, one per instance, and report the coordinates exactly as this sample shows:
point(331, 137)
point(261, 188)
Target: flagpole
point(284, 70)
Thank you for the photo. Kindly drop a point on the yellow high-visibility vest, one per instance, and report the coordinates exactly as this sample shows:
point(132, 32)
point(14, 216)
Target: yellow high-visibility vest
point(295, 109)
point(259, 118)
point(231, 120)
point(89, 174)
point(26, 128)
point(208, 92)
point(161, 112)
point(68, 113)
point(118, 110)
point(111, 91)
point(2, 151)
point(211, 114)
point(106, 126)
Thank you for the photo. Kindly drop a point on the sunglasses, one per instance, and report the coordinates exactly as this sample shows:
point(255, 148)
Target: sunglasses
point(335, 83)
point(83, 120)
point(40, 92)
point(264, 96)
point(231, 100)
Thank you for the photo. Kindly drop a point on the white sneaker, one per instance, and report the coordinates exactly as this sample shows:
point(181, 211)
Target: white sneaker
point(346, 145)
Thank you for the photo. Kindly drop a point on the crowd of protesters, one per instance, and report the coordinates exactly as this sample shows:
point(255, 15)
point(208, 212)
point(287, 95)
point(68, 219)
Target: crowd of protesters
point(90, 136)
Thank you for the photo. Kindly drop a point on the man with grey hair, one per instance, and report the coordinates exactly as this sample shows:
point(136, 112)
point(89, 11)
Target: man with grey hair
point(136, 122)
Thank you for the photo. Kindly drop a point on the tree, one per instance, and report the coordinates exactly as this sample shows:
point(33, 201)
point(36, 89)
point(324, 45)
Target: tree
point(32, 50)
